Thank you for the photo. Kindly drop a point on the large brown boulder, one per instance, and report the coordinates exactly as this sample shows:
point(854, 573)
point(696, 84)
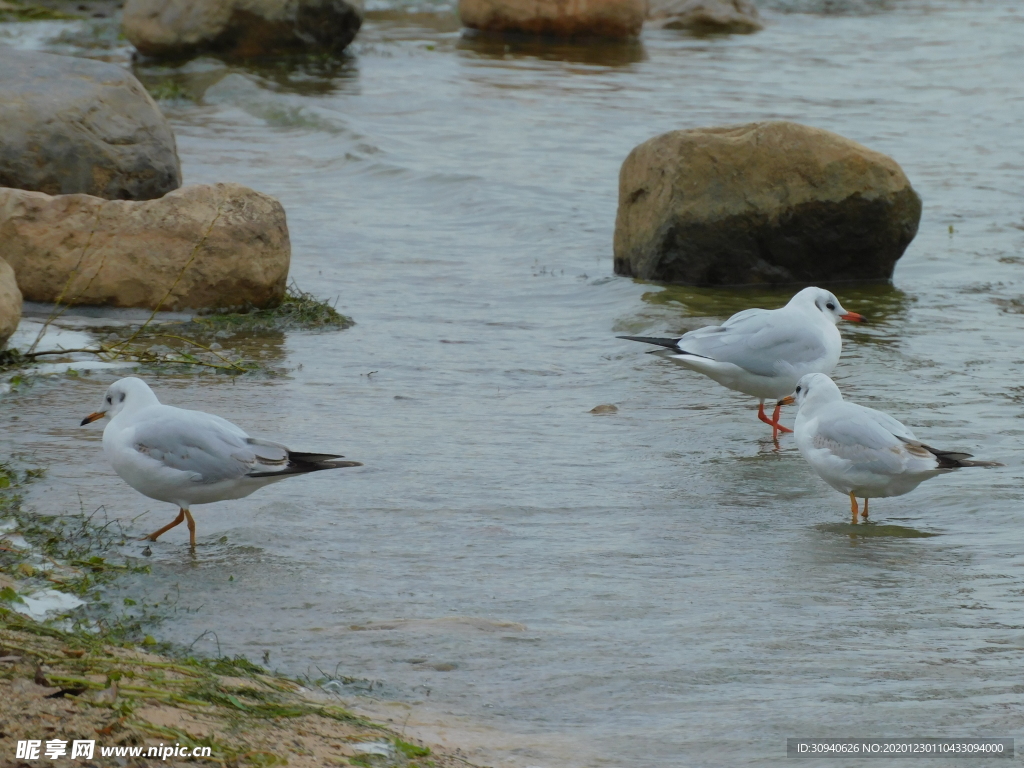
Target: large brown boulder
point(770, 202)
point(10, 303)
point(77, 125)
point(240, 27)
point(705, 16)
point(556, 18)
point(198, 247)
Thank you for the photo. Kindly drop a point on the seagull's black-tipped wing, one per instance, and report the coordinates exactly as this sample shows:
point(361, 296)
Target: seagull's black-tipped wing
point(661, 342)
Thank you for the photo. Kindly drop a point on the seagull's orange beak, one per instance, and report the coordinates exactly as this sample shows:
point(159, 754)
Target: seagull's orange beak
point(787, 400)
point(92, 417)
point(853, 317)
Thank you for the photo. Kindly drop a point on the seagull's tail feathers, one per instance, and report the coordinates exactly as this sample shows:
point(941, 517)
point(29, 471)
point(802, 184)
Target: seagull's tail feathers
point(672, 344)
point(300, 463)
point(954, 459)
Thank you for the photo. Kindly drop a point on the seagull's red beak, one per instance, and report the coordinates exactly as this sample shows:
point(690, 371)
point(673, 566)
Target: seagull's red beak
point(788, 399)
point(853, 317)
point(92, 417)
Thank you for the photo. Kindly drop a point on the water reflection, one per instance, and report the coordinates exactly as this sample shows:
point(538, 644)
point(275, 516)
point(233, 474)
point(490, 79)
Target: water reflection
point(604, 53)
point(301, 75)
point(403, 24)
point(871, 530)
point(829, 7)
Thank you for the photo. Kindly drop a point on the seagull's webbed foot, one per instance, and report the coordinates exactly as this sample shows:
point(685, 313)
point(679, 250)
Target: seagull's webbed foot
point(853, 508)
point(864, 514)
point(177, 521)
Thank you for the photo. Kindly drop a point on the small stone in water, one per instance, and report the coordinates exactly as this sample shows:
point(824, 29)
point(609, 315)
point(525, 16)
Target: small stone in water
point(606, 408)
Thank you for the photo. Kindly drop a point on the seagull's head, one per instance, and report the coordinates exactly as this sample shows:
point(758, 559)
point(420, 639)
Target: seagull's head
point(826, 302)
point(813, 388)
point(128, 393)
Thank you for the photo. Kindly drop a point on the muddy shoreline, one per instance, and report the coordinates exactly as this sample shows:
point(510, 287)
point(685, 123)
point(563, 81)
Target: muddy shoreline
point(57, 686)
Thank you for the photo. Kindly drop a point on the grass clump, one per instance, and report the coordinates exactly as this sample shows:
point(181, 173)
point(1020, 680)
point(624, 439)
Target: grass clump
point(169, 90)
point(411, 750)
point(193, 344)
point(10, 10)
point(297, 311)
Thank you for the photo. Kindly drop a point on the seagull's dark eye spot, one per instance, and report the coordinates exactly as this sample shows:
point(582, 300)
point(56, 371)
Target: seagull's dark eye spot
point(121, 399)
point(108, 398)
point(830, 305)
point(798, 390)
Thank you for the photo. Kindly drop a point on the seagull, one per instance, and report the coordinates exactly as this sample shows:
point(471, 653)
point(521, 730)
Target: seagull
point(860, 451)
point(764, 352)
point(190, 457)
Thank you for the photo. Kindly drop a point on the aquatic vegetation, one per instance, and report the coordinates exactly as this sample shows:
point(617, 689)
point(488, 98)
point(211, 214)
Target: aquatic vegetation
point(194, 343)
point(169, 90)
point(298, 310)
point(12, 10)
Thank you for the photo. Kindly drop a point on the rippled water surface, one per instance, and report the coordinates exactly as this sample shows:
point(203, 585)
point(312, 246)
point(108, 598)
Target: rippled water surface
point(656, 586)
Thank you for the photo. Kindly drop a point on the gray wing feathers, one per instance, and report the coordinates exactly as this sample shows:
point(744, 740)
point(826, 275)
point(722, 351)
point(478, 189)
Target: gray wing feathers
point(213, 449)
point(896, 428)
point(868, 444)
point(753, 342)
point(206, 446)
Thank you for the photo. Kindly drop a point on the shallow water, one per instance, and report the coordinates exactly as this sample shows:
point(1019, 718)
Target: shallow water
point(656, 586)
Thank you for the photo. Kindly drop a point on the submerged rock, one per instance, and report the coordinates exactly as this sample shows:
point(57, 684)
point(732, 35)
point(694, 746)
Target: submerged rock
point(205, 246)
point(772, 202)
point(71, 125)
point(705, 15)
point(10, 305)
point(557, 18)
point(240, 27)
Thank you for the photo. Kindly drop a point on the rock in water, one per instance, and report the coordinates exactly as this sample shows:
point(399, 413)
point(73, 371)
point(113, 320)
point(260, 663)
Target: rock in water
point(705, 15)
point(772, 202)
point(76, 125)
point(240, 27)
point(557, 18)
point(10, 303)
point(204, 246)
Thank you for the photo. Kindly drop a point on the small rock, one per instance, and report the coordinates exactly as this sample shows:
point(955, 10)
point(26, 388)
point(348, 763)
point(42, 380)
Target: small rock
point(705, 16)
point(772, 202)
point(105, 696)
point(240, 27)
point(556, 18)
point(229, 245)
point(69, 124)
point(10, 303)
point(606, 408)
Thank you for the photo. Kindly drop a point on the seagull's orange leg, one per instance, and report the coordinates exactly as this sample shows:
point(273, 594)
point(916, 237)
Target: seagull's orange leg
point(764, 417)
point(864, 514)
point(773, 423)
point(157, 534)
point(775, 419)
point(191, 528)
point(853, 508)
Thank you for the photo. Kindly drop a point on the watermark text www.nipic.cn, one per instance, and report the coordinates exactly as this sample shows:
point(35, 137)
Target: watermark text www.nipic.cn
point(52, 749)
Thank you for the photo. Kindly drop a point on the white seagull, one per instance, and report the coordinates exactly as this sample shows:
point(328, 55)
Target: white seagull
point(190, 457)
point(764, 352)
point(860, 451)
